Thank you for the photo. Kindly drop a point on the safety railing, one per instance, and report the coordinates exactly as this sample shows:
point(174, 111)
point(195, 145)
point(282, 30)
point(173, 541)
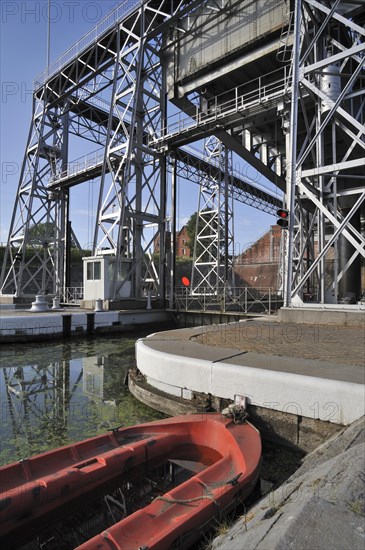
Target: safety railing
point(261, 91)
point(229, 300)
point(80, 165)
point(84, 94)
point(72, 295)
point(120, 12)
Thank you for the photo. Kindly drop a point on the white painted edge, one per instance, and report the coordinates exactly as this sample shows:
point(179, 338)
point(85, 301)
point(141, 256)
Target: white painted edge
point(334, 401)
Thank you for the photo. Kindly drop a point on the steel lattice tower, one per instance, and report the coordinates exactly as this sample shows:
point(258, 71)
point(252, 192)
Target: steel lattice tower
point(326, 154)
point(212, 269)
point(279, 83)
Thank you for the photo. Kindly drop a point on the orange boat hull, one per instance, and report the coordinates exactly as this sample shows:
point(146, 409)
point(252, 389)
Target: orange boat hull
point(45, 487)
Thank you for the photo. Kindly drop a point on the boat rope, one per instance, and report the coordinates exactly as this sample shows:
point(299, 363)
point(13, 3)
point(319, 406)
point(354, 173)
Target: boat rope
point(232, 481)
point(188, 500)
point(236, 412)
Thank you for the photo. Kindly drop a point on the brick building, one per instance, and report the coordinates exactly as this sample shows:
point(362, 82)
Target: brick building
point(181, 243)
point(258, 265)
point(182, 240)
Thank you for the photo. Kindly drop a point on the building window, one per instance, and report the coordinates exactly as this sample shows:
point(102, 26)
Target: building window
point(93, 271)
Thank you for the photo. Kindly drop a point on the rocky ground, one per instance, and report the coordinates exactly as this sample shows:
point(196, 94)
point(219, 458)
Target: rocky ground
point(321, 506)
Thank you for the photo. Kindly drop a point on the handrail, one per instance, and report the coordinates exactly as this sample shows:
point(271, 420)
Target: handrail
point(228, 300)
point(80, 165)
point(119, 13)
point(72, 295)
point(228, 103)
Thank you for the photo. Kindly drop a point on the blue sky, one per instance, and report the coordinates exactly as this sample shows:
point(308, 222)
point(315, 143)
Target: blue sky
point(23, 55)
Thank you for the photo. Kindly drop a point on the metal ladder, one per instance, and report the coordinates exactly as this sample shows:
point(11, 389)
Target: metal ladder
point(285, 49)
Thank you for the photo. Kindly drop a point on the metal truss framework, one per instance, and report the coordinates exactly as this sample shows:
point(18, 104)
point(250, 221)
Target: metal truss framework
point(212, 268)
point(303, 122)
point(193, 167)
point(137, 185)
point(326, 179)
point(108, 90)
point(119, 70)
point(39, 231)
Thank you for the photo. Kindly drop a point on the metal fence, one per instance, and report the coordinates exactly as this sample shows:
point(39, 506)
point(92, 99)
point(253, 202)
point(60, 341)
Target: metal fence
point(72, 295)
point(237, 299)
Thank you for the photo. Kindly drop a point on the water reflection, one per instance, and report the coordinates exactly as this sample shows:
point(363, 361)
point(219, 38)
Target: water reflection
point(55, 394)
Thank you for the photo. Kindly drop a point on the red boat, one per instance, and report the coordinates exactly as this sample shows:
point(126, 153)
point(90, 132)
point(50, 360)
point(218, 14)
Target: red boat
point(153, 486)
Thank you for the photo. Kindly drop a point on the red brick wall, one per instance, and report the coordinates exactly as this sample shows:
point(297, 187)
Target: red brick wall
point(258, 265)
point(182, 239)
point(182, 249)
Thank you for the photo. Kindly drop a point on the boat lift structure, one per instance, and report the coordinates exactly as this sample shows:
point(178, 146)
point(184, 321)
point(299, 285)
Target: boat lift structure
point(280, 83)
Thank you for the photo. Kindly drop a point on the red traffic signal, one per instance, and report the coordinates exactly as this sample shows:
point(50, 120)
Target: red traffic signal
point(283, 220)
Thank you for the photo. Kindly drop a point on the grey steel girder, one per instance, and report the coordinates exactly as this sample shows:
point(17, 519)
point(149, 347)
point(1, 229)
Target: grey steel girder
point(296, 114)
point(326, 182)
point(213, 254)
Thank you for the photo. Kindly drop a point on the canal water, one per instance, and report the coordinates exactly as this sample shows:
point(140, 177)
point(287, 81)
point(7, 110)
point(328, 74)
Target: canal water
point(55, 393)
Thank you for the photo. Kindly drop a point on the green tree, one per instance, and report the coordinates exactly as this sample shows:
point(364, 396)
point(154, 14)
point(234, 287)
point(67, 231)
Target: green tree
point(44, 233)
point(41, 233)
point(191, 229)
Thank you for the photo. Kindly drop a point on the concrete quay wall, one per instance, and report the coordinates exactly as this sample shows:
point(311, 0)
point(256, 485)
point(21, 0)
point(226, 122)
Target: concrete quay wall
point(181, 376)
point(302, 382)
point(350, 316)
point(26, 326)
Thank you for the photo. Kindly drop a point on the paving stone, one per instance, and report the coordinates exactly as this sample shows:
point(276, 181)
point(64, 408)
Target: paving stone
point(330, 342)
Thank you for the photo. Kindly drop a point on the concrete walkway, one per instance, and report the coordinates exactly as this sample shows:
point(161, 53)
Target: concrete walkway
point(315, 371)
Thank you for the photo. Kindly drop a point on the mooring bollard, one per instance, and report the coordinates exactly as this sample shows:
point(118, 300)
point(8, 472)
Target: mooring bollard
point(40, 304)
point(98, 305)
point(56, 302)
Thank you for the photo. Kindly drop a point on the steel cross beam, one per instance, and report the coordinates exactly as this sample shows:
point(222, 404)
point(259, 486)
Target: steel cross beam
point(213, 256)
point(327, 221)
point(118, 66)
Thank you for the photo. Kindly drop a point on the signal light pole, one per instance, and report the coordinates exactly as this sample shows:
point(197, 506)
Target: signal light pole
point(283, 220)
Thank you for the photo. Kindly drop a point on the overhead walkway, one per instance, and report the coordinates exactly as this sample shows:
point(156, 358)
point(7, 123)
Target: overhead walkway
point(231, 108)
point(193, 167)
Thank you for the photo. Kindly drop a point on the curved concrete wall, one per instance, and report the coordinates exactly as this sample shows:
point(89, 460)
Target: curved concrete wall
point(325, 399)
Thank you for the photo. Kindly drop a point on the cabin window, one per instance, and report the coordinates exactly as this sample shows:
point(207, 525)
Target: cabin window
point(93, 271)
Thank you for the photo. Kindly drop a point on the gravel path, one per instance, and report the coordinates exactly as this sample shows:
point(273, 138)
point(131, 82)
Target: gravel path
point(331, 342)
